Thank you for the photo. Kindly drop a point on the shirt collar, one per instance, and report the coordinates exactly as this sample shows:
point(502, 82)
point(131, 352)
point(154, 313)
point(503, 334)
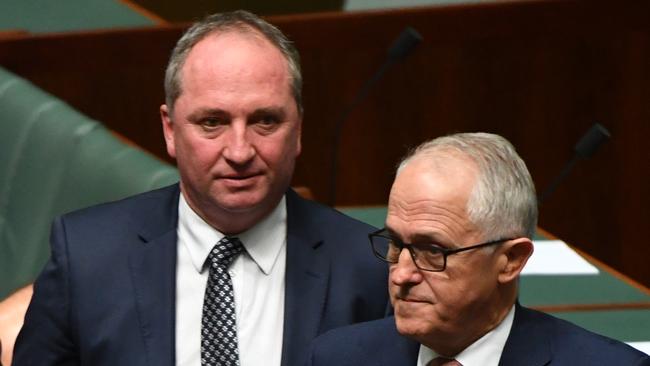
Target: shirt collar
point(262, 242)
point(484, 351)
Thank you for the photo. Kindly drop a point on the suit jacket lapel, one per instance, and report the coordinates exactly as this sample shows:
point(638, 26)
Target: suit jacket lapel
point(307, 276)
point(153, 269)
point(528, 342)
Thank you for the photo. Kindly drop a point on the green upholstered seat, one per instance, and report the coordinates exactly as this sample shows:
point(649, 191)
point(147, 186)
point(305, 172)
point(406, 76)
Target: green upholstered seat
point(54, 160)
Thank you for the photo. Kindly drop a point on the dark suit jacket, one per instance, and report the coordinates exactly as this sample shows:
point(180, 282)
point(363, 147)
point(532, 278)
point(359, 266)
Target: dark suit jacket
point(535, 339)
point(107, 294)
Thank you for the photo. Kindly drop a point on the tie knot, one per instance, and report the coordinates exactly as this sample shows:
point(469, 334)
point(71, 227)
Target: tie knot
point(443, 361)
point(225, 251)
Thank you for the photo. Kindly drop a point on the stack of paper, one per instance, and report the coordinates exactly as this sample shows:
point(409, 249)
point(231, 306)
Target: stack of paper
point(641, 346)
point(555, 257)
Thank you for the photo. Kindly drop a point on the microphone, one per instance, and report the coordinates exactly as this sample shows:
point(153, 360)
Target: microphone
point(584, 149)
point(401, 47)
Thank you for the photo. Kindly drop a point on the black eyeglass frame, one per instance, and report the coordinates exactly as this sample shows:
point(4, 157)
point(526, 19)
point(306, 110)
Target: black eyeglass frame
point(383, 233)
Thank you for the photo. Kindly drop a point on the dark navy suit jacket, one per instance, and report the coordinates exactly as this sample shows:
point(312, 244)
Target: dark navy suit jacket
point(535, 339)
point(107, 294)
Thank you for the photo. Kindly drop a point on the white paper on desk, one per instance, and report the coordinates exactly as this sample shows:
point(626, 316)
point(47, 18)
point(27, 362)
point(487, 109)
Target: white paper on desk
point(555, 257)
point(641, 346)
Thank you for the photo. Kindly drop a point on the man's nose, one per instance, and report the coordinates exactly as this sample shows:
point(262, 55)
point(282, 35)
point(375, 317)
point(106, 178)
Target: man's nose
point(238, 150)
point(405, 271)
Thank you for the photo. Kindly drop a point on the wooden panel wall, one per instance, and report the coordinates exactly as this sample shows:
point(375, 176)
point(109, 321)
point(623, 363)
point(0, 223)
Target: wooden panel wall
point(538, 72)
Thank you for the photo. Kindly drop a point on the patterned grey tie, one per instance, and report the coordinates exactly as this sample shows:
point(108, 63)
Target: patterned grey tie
point(218, 326)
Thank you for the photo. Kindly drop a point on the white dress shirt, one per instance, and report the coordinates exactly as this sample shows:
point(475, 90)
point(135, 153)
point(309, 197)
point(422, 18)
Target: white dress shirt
point(486, 351)
point(258, 284)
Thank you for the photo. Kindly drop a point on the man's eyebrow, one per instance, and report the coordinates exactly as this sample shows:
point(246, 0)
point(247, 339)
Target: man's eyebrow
point(280, 112)
point(430, 238)
point(392, 233)
point(200, 113)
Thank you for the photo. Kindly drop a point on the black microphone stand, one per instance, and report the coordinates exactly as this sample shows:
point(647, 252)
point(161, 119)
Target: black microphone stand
point(584, 149)
point(401, 47)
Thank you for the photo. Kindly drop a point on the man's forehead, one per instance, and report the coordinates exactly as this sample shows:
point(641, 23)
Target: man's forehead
point(410, 231)
point(219, 45)
point(430, 196)
point(447, 181)
point(216, 60)
point(424, 213)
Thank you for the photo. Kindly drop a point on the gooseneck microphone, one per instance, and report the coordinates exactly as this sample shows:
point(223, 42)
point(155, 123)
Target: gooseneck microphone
point(401, 47)
point(584, 149)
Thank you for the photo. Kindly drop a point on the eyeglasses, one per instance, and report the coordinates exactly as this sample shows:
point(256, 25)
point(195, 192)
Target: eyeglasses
point(427, 257)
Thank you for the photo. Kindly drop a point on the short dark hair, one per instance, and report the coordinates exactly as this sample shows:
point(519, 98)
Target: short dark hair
point(238, 21)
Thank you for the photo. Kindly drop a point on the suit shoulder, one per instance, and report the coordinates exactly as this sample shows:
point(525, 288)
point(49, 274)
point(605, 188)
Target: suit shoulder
point(118, 222)
point(137, 204)
point(362, 342)
point(572, 342)
point(378, 329)
point(309, 212)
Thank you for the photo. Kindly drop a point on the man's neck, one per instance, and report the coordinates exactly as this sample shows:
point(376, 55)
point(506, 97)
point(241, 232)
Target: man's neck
point(452, 343)
point(230, 222)
point(486, 350)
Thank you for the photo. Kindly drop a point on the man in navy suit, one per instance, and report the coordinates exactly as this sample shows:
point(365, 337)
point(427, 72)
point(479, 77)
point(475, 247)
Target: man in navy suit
point(460, 217)
point(126, 280)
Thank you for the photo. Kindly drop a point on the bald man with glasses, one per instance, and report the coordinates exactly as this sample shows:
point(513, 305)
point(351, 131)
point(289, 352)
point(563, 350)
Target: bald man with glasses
point(461, 215)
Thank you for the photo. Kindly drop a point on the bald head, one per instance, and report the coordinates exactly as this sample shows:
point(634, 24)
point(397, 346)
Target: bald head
point(503, 202)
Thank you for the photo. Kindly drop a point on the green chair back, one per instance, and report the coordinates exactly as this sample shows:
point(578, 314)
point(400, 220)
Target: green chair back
point(54, 160)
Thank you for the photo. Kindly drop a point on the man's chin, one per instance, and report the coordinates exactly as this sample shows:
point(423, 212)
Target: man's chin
point(409, 327)
point(245, 201)
point(236, 206)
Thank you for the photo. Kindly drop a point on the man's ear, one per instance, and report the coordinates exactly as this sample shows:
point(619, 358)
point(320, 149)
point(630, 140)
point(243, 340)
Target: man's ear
point(168, 130)
point(514, 255)
point(299, 136)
